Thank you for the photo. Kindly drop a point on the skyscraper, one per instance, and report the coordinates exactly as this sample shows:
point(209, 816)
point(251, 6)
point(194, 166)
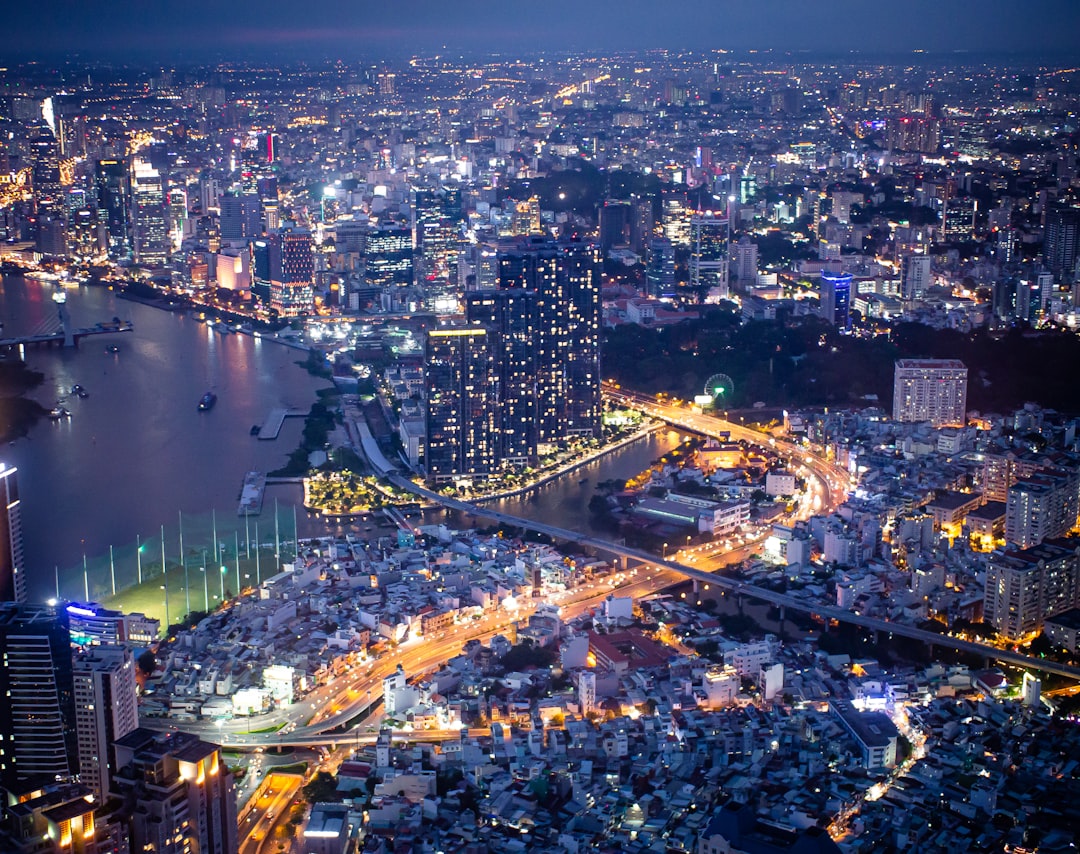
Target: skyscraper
point(511, 315)
point(151, 232)
point(38, 732)
point(1061, 240)
point(1024, 586)
point(105, 710)
point(294, 294)
point(12, 571)
point(462, 408)
point(933, 390)
point(709, 253)
point(565, 277)
point(113, 205)
point(437, 217)
point(388, 257)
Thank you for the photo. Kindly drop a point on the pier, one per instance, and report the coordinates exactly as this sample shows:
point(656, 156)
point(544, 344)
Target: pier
point(271, 427)
point(251, 494)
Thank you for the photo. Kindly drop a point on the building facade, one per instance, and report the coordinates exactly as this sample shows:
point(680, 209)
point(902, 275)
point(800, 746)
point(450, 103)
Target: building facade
point(933, 390)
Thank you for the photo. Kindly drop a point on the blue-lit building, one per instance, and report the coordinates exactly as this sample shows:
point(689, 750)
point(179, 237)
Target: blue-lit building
point(836, 298)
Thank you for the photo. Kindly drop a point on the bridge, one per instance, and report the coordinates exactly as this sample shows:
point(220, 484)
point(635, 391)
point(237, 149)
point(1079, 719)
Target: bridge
point(784, 601)
point(60, 332)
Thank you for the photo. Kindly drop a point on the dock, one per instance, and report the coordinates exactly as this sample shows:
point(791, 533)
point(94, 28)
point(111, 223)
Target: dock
point(271, 427)
point(251, 494)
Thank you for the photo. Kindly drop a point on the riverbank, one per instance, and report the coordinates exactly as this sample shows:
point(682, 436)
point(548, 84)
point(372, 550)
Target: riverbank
point(18, 413)
point(641, 433)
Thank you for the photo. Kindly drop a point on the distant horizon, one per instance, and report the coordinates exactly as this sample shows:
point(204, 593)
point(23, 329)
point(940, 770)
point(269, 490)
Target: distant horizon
point(298, 57)
point(166, 30)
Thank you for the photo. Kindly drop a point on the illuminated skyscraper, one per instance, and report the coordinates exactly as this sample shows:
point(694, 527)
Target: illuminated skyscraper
point(914, 276)
point(437, 215)
point(293, 294)
point(37, 730)
point(388, 257)
point(12, 570)
point(151, 232)
point(709, 253)
point(660, 268)
point(113, 205)
point(565, 277)
point(1061, 244)
point(462, 406)
point(511, 315)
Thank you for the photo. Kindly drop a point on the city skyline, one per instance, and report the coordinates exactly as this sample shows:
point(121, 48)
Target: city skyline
point(170, 31)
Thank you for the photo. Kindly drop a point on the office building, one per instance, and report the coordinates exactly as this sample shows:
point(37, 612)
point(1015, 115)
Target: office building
point(1025, 586)
point(12, 569)
point(835, 298)
point(958, 219)
point(914, 276)
point(241, 218)
point(1042, 505)
point(438, 216)
point(37, 733)
point(462, 409)
point(90, 624)
point(105, 710)
point(709, 254)
point(176, 794)
point(150, 230)
point(388, 257)
point(933, 390)
point(660, 269)
point(1061, 240)
point(294, 293)
point(615, 217)
point(114, 205)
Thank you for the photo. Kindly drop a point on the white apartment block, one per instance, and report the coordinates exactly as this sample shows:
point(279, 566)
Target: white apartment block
point(933, 390)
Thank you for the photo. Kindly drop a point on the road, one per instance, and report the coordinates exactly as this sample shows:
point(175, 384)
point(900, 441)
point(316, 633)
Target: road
point(337, 703)
point(267, 812)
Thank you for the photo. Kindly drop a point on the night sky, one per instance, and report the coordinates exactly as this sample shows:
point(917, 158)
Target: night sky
point(174, 29)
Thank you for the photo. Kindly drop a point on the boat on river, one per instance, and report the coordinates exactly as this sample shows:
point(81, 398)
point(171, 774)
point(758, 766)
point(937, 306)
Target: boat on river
point(207, 401)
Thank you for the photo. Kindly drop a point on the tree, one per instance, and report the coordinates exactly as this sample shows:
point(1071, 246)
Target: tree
point(322, 788)
point(147, 662)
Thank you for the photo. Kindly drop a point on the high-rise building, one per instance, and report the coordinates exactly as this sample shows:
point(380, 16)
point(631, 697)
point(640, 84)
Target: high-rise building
point(565, 277)
point(388, 257)
point(294, 293)
point(37, 731)
point(12, 569)
point(615, 218)
point(746, 262)
point(437, 216)
point(835, 298)
point(511, 314)
point(105, 710)
point(660, 268)
point(462, 405)
point(958, 219)
point(709, 253)
point(1024, 586)
point(1042, 505)
point(241, 217)
point(1061, 240)
point(914, 275)
point(933, 390)
point(176, 793)
point(114, 205)
point(150, 227)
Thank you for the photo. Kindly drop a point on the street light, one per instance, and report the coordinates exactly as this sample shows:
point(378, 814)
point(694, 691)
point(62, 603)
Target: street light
point(224, 572)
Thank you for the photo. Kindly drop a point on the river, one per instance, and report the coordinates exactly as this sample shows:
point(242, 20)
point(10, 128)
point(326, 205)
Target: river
point(137, 453)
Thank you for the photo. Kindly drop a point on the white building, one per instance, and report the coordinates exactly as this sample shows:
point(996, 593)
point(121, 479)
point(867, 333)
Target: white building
point(933, 390)
point(105, 709)
point(779, 483)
